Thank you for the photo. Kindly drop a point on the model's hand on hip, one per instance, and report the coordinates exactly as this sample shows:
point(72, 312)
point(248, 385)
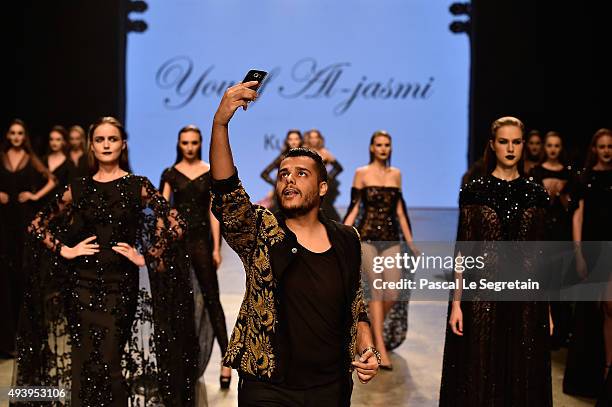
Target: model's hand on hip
point(26, 196)
point(84, 248)
point(130, 253)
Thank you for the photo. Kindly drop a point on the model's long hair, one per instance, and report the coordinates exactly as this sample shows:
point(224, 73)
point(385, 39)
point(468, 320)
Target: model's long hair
point(124, 162)
point(27, 146)
point(179, 154)
point(490, 160)
point(591, 159)
point(307, 134)
point(286, 143)
point(382, 133)
point(64, 133)
point(80, 130)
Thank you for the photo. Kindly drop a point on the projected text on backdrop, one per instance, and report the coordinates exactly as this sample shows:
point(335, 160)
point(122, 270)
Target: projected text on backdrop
point(347, 68)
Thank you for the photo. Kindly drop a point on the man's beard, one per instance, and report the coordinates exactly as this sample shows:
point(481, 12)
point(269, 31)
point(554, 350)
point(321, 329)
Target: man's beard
point(310, 201)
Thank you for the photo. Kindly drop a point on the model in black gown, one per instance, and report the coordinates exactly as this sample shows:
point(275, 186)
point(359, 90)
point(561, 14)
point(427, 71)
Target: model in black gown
point(558, 185)
point(58, 148)
point(21, 177)
point(313, 139)
point(534, 151)
point(379, 213)
point(86, 326)
point(77, 140)
point(189, 192)
point(590, 352)
point(557, 178)
point(497, 353)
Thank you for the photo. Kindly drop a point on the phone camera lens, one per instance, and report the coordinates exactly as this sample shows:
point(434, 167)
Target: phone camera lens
point(256, 75)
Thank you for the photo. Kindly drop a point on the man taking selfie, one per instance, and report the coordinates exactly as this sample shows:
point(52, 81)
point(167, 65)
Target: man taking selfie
point(302, 327)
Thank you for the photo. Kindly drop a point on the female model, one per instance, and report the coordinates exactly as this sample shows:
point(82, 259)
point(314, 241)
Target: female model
point(187, 186)
point(78, 150)
point(590, 352)
point(556, 177)
point(379, 213)
point(314, 140)
point(497, 353)
point(21, 175)
point(534, 151)
point(86, 339)
point(57, 160)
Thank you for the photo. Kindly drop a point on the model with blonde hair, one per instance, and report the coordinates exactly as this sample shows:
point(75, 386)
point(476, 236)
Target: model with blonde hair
point(85, 321)
point(496, 352)
point(379, 213)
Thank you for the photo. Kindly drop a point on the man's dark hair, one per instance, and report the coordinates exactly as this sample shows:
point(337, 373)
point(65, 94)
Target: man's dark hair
point(306, 152)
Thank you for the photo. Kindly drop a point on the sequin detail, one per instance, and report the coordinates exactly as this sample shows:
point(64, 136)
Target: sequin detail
point(109, 335)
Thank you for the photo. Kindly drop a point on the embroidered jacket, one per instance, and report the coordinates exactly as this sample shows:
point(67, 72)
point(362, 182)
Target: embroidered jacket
point(267, 247)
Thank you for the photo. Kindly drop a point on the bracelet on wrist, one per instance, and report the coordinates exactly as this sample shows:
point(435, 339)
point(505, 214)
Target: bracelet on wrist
point(374, 351)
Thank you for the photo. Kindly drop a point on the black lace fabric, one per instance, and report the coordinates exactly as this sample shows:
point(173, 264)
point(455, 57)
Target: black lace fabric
point(86, 324)
point(503, 357)
point(379, 220)
point(333, 190)
point(379, 228)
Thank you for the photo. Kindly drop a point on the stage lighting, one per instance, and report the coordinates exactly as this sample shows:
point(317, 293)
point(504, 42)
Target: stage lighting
point(458, 9)
point(459, 27)
point(137, 6)
point(138, 26)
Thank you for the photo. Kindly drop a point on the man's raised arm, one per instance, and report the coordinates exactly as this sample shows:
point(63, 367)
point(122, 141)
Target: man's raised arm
point(221, 160)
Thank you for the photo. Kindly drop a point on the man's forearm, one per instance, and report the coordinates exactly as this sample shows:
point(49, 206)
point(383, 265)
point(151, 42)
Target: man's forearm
point(364, 336)
point(221, 160)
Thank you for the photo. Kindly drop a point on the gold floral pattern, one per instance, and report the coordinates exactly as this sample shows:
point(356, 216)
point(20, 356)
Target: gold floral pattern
point(251, 231)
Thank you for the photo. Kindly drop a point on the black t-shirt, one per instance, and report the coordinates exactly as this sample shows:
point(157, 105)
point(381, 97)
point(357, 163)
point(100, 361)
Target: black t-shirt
point(313, 309)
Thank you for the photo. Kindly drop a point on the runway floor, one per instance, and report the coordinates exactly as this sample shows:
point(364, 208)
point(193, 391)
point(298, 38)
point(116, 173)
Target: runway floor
point(417, 363)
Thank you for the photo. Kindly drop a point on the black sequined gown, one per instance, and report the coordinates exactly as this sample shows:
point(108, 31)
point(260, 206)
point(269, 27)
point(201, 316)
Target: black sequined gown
point(327, 206)
point(503, 357)
point(192, 199)
point(558, 222)
point(81, 167)
point(558, 228)
point(14, 218)
point(64, 174)
point(85, 324)
point(586, 358)
point(378, 224)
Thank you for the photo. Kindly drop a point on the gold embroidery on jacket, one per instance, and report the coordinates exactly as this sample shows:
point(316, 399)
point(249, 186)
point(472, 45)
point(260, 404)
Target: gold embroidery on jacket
point(251, 230)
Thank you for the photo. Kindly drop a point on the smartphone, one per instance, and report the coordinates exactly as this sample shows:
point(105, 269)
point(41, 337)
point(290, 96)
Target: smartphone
point(255, 75)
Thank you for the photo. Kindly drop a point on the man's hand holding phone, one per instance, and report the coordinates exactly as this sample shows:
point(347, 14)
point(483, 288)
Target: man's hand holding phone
point(239, 95)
